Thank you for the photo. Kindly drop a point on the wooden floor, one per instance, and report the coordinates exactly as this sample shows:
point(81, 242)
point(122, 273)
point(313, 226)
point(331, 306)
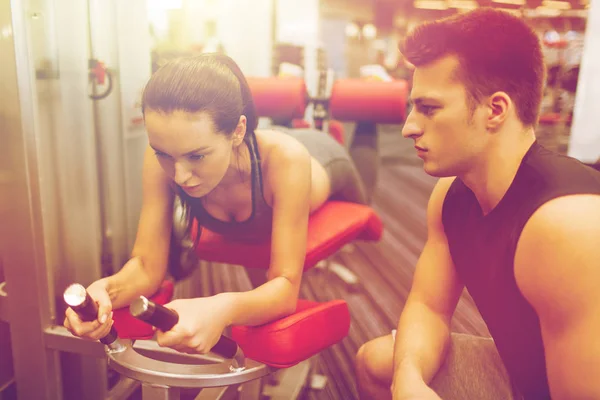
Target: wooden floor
point(385, 268)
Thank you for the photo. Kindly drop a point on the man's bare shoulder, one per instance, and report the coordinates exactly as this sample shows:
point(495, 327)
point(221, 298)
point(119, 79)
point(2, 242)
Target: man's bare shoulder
point(436, 205)
point(558, 253)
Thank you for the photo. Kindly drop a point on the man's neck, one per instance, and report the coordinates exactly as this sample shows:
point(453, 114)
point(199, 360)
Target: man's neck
point(493, 174)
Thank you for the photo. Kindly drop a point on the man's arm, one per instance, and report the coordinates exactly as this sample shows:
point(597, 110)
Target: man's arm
point(424, 327)
point(557, 267)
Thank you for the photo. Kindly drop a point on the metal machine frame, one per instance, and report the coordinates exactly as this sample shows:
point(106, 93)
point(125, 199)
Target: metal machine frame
point(55, 213)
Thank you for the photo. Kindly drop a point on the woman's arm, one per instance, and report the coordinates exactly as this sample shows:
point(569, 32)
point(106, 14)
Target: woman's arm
point(203, 319)
point(289, 177)
point(145, 271)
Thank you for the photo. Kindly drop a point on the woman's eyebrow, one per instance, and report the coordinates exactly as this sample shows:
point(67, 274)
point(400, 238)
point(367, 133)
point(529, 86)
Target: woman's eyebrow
point(186, 154)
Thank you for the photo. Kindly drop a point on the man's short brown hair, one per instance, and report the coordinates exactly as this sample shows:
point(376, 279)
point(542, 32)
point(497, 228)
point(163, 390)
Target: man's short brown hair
point(497, 51)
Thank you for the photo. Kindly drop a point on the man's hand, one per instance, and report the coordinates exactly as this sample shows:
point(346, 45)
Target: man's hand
point(417, 391)
point(409, 385)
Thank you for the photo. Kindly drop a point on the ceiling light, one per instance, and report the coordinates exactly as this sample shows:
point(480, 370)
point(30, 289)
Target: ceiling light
point(369, 31)
point(352, 30)
point(512, 2)
point(463, 4)
point(431, 4)
point(558, 5)
point(547, 12)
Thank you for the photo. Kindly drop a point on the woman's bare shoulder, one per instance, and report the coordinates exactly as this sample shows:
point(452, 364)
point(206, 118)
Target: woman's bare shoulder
point(275, 144)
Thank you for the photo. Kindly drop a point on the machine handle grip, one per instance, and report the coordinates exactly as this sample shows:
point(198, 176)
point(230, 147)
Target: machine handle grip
point(226, 347)
point(82, 303)
point(165, 319)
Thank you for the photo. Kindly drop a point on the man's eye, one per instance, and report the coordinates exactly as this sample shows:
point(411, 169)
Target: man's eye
point(427, 110)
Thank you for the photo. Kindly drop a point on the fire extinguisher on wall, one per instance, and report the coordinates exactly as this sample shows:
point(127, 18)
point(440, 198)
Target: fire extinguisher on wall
point(99, 76)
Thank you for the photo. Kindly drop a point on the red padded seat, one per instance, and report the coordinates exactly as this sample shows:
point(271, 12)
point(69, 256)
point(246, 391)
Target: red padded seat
point(278, 98)
point(332, 226)
point(365, 100)
point(288, 341)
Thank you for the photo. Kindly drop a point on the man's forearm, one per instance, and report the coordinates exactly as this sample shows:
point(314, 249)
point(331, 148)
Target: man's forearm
point(421, 343)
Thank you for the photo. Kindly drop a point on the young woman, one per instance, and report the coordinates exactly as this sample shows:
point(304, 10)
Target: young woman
point(251, 185)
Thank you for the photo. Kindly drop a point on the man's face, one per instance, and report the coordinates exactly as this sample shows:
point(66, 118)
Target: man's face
point(449, 135)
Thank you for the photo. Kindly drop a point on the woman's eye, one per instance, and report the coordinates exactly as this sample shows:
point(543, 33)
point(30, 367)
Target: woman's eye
point(159, 154)
point(196, 157)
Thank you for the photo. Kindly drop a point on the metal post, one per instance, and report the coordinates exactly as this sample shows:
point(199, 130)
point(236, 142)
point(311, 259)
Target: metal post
point(50, 225)
point(28, 304)
point(154, 392)
point(251, 390)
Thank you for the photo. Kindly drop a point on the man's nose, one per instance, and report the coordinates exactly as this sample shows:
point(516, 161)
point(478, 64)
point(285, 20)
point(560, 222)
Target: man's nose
point(411, 128)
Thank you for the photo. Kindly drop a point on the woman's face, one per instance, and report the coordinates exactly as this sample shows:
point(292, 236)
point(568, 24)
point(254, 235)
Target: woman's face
point(191, 150)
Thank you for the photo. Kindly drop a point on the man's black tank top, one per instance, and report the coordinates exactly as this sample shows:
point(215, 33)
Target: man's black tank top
point(483, 250)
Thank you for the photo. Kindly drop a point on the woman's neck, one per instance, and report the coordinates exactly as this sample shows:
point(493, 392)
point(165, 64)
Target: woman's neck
point(238, 172)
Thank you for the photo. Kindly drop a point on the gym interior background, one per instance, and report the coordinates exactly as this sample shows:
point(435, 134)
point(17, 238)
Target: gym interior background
point(73, 138)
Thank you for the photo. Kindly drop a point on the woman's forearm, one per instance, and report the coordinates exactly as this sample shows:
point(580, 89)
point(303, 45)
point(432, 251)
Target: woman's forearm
point(131, 281)
point(275, 299)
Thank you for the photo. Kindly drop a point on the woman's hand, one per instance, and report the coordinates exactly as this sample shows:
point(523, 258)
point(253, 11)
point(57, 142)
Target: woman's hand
point(201, 323)
point(99, 327)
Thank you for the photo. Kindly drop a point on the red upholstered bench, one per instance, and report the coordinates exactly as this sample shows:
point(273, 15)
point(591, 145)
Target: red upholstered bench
point(290, 340)
point(332, 226)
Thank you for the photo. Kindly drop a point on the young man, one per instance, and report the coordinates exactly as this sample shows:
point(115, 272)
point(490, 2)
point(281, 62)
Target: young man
point(517, 225)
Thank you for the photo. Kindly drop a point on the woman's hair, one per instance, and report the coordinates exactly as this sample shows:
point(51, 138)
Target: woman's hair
point(211, 83)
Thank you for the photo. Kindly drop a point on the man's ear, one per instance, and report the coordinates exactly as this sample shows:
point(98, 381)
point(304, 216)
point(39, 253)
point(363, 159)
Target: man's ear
point(499, 105)
point(240, 131)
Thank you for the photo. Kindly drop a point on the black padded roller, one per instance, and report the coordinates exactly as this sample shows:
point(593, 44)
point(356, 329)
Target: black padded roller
point(164, 319)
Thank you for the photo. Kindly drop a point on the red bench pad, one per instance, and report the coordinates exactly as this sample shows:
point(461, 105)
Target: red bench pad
point(288, 341)
point(129, 327)
point(366, 100)
point(278, 98)
point(332, 226)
